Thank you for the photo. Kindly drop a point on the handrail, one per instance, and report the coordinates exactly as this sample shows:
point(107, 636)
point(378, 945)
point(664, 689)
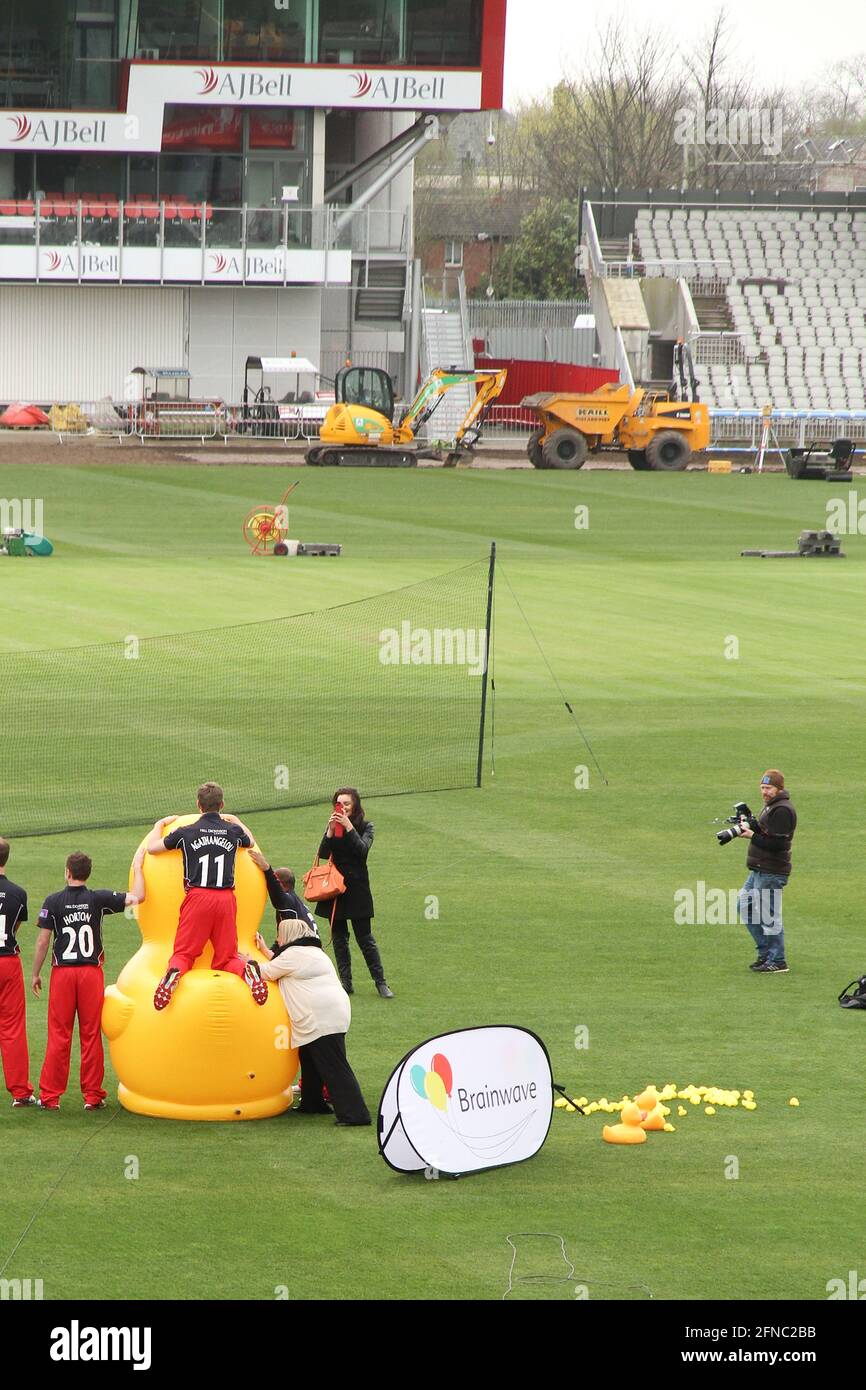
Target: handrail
point(621, 361)
point(466, 332)
point(592, 241)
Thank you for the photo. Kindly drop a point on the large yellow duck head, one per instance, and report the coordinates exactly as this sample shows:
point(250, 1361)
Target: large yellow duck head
point(213, 1054)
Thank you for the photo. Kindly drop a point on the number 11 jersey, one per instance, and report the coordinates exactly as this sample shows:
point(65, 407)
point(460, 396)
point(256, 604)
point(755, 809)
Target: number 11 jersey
point(209, 847)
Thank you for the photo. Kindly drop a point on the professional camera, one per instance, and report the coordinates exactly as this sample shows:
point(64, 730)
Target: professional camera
point(741, 813)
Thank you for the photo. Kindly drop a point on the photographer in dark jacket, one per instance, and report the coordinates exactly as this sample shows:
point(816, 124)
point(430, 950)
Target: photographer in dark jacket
point(769, 865)
point(347, 840)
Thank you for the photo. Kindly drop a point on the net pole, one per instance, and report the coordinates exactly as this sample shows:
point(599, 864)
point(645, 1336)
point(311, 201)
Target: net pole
point(490, 576)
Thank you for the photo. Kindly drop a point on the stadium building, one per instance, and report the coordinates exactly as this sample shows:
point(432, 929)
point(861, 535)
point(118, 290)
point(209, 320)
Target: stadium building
point(189, 182)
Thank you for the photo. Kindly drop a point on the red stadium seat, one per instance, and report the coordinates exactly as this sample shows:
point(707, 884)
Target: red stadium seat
point(25, 208)
point(8, 209)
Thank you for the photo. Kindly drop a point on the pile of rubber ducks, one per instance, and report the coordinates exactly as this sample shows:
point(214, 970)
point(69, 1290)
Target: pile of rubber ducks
point(648, 1111)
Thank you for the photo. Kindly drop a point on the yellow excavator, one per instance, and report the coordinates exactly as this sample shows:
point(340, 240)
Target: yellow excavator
point(359, 431)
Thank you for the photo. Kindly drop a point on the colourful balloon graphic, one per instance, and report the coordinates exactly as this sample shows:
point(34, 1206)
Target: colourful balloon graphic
point(435, 1089)
point(442, 1067)
point(417, 1076)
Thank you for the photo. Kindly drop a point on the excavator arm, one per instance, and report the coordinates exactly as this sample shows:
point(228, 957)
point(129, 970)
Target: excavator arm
point(439, 382)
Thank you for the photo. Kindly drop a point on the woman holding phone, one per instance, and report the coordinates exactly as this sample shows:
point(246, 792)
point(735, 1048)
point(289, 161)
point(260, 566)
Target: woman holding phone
point(347, 840)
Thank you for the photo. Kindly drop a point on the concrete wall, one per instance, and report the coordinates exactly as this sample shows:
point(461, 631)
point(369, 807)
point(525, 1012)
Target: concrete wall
point(228, 325)
point(80, 342)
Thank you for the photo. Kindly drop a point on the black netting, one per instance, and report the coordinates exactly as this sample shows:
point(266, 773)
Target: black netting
point(279, 713)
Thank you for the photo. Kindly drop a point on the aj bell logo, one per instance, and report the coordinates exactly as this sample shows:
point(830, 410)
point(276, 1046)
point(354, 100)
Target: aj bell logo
point(243, 83)
point(48, 134)
point(397, 89)
point(92, 263)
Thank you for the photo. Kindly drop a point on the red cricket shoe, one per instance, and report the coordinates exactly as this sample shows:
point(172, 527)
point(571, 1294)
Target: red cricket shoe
point(165, 989)
point(258, 986)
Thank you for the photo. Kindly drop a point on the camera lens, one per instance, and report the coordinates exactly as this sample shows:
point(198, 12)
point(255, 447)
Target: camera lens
point(724, 837)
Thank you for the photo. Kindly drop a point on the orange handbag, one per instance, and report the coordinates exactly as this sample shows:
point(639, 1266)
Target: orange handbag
point(323, 882)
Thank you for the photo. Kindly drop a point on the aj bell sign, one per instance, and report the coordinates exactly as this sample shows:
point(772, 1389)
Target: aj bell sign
point(153, 85)
point(230, 84)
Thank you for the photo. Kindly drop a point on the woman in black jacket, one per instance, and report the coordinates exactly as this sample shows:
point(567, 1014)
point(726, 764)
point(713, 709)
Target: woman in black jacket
point(347, 840)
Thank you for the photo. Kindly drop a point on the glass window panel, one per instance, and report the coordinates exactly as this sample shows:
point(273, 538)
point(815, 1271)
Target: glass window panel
point(256, 31)
point(202, 128)
point(32, 41)
point(92, 66)
point(96, 176)
point(446, 33)
point(213, 178)
point(275, 128)
point(360, 31)
point(178, 29)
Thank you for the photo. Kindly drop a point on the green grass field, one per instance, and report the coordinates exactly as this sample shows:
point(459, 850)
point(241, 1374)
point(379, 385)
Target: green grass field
point(556, 904)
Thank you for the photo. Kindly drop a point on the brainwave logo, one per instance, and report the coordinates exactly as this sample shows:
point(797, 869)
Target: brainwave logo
point(209, 80)
point(21, 126)
point(219, 262)
point(434, 1085)
point(364, 85)
point(52, 260)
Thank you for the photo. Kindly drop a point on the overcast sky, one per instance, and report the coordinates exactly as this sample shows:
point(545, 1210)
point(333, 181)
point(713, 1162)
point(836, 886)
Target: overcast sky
point(781, 40)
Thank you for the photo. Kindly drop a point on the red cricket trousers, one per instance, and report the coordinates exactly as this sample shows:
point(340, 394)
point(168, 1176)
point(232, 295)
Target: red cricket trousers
point(208, 914)
point(74, 989)
point(13, 1029)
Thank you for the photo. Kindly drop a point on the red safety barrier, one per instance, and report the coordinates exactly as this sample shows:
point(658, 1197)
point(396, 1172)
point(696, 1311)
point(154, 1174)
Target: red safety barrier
point(528, 378)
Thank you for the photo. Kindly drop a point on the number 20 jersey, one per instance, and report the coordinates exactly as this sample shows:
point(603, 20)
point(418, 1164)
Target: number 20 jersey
point(75, 916)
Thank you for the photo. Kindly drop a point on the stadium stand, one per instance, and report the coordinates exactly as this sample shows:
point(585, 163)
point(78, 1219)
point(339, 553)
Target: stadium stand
point(791, 292)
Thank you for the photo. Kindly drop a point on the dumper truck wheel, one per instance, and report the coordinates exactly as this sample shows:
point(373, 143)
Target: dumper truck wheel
point(668, 451)
point(564, 448)
point(533, 449)
point(637, 459)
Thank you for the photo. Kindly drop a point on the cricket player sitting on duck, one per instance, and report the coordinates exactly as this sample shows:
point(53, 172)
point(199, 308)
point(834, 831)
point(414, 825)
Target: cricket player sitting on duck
point(209, 909)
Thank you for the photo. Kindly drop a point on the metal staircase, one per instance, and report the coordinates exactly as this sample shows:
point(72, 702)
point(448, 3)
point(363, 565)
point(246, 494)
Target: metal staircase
point(380, 291)
point(447, 342)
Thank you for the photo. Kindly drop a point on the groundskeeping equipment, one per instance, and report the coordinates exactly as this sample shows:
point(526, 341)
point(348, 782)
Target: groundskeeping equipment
point(809, 545)
point(17, 542)
point(464, 1101)
point(360, 431)
point(659, 430)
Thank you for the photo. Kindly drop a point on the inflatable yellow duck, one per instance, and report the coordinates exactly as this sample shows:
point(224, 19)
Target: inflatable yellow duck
point(213, 1054)
point(629, 1130)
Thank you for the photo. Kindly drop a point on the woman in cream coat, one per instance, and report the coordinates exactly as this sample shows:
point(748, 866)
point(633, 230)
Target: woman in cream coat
point(320, 1012)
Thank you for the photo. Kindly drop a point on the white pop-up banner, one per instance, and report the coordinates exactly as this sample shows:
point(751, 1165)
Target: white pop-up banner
point(474, 1099)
